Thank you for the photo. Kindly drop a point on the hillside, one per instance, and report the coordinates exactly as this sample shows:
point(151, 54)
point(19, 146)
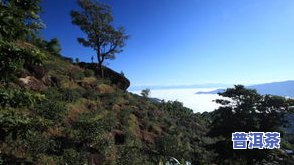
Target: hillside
point(82, 118)
point(56, 111)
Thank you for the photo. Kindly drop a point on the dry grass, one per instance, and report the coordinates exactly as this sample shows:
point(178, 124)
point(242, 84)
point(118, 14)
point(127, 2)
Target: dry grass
point(69, 84)
point(89, 83)
point(105, 89)
point(55, 131)
point(149, 137)
point(75, 110)
point(156, 129)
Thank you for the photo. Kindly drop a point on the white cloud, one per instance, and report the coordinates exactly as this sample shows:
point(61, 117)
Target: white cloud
point(197, 102)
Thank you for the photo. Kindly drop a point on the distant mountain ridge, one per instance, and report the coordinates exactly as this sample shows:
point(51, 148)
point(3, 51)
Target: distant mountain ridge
point(206, 85)
point(284, 88)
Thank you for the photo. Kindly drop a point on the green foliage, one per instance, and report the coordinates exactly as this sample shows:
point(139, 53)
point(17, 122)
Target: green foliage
point(68, 125)
point(132, 156)
point(19, 19)
point(72, 156)
point(51, 110)
point(1, 160)
point(91, 95)
point(245, 110)
point(18, 98)
point(91, 130)
point(145, 93)
point(176, 109)
point(53, 47)
point(67, 95)
point(79, 75)
point(89, 127)
point(71, 95)
point(13, 56)
point(39, 143)
point(95, 20)
point(89, 73)
point(17, 125)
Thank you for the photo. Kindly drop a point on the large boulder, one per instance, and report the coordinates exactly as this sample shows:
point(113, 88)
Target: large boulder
point(32, 83)
point(116, 78)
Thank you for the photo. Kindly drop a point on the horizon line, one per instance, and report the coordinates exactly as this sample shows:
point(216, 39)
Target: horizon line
point(203, 85)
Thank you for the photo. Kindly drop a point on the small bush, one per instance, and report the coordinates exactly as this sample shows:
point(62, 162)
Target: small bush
point(13, 56)
point(72, 156)
point(65, 94)
point(89, 73)
point(92, 95)
point(52, 110)
point(52, 94)
point(75, 73)
point(18, 98)
point(71, 95)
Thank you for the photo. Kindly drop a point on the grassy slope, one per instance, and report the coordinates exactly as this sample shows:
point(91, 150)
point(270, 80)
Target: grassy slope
point(89, 119)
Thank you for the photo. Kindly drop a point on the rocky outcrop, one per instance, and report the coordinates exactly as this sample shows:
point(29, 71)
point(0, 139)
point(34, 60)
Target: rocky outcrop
point(32, 83)
point(116, 78)
point(38, 71)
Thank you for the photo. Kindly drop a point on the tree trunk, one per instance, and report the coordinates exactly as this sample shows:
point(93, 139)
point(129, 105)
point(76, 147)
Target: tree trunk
point(101, 70)
point(100, 61)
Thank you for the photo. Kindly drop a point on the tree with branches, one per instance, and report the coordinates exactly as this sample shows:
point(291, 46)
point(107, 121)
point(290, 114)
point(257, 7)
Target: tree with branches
point(95, 19)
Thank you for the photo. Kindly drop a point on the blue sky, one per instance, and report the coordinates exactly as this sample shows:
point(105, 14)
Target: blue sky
point(180, 42)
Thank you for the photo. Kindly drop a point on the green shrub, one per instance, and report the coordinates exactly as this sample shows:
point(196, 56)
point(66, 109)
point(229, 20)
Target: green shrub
point(17, 125)
point(53, 46)
point(71, 95)
point(64, 94)
point(91, 95)
point(78, 75)
point(52, 110)
point(91, 129)
point(133, 156)
point(13, 56)
point(52, 93)
point(18, 98)
point(75, 73)
point(71, 156)
point(124, 116)
point(38, 143)
point(1, 160)
point(89, 73)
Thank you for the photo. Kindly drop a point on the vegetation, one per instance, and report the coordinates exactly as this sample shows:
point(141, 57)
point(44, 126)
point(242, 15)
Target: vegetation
point(247, 111)
point(95, 20)
point(52, 111)
point(145, 92)
point(19, 19)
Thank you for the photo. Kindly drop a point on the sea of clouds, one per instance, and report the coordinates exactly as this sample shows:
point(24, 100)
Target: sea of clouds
point(188, 96)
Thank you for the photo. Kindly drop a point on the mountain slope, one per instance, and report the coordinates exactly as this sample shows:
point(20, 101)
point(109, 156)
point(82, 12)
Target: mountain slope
point(83, 118)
